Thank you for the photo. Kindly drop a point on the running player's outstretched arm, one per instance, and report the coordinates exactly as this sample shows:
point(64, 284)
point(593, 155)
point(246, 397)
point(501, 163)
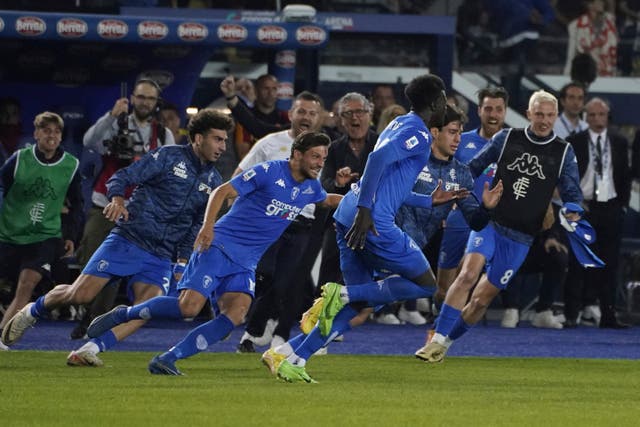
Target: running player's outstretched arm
point(331, 201)
point(216, 199)
point(437, 197)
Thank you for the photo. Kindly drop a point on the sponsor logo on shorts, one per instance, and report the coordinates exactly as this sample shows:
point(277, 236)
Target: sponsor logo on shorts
point(477, 241)
point(103, 265)
point(206, 282)
point(145, 313)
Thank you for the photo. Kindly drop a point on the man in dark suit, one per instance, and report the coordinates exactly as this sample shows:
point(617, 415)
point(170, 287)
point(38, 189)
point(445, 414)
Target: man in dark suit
point(605, 179)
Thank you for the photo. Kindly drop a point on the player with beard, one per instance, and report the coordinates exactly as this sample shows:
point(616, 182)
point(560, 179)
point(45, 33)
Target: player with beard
point(279, 298)
point(226, 252)
point(157, 226)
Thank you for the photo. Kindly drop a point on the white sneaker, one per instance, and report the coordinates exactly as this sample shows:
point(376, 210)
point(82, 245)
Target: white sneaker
point(410, 316)
point(3, 347)
point(510, 318)
point(267, 336)
point(14, 329)
point(545, 319)
point(83, 358)
point(423, 305)
point(387, 319)
point(591, 315)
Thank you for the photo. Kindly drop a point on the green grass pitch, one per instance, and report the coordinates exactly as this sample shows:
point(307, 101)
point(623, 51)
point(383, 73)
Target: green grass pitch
point(225, 389)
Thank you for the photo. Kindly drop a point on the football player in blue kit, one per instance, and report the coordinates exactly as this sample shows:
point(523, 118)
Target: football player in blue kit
point(492, 109)
point(531, 162)
point(226, 251)
point(374, 241)
point(157, 227)
point(419, 223)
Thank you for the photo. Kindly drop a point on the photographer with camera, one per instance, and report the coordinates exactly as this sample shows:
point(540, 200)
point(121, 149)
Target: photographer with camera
point(120, 138)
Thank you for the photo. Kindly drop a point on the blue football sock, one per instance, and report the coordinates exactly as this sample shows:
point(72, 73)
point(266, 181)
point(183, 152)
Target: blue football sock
point(389, 290)
point(105, 341)
point(459, 329)
point(447, 319)
point(315, 340)
point(38, 310)
point(155, 308)
point(297, 340)
point(200, 338)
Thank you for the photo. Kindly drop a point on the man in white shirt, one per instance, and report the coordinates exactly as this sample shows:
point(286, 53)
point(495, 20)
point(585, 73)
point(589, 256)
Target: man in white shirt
point(572, 100)
point(278, 300)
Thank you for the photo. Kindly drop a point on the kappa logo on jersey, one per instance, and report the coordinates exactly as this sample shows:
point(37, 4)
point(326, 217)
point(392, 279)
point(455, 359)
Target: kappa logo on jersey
point(180, 170)
point(308, 190)
point(204, 188)
point(471, 145)
point(395, 125)
point(411, 142)
point(155, 155)
point(280, 182)
point(248, 175)
point(425, 134)
point(425, 175)
point(265, 166)
point(527, 164)
point(282, 210)
point(294, 193)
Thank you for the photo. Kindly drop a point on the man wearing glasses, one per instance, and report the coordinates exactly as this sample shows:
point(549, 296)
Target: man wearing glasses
point(145, 133)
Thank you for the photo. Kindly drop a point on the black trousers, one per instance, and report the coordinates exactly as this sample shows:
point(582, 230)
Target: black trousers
point(278, 294)
point(585, 286)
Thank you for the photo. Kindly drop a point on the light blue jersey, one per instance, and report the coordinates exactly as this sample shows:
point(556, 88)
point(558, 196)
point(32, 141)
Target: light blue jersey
point(269, 199)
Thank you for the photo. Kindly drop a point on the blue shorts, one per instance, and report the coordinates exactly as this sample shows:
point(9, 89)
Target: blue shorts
point(391, 253)
point(454, 242)
point(213, 273)
point(504, 255)
point(118, 257)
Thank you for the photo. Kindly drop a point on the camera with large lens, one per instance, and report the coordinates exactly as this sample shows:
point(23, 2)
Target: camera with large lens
point(122, 146)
